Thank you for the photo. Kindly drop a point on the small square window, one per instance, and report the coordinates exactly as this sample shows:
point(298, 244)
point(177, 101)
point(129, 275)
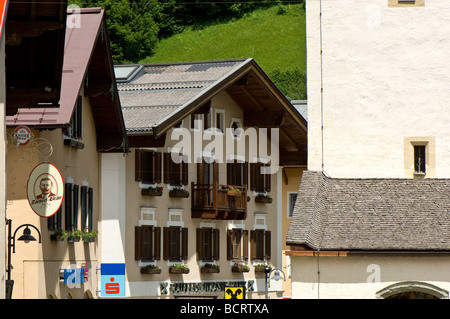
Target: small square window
point(419, 159)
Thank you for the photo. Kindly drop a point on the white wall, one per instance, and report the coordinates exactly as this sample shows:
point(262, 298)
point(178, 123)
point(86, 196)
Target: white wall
point(362, 277)
point(2, 169)
point(385, 74)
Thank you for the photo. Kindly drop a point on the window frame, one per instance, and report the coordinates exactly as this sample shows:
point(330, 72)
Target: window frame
point(175, 174)
point(260, 183)
point(175, 243)
point(208, 251)
point(150, 250)
point(237, 173)
point(237, 244)
point(148, 166)
point(260, 244)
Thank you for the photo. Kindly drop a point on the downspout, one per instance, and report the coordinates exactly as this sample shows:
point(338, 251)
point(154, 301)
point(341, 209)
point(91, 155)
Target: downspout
point(321, 84)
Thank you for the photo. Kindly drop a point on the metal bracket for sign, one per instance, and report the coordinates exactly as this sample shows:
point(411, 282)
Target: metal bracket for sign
point(29, 150)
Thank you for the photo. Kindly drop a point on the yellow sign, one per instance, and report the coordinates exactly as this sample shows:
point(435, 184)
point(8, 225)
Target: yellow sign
point(234, 293)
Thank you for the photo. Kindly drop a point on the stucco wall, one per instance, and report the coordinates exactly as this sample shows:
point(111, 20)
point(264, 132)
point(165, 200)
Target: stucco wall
point(384, 72)
point(362, 277)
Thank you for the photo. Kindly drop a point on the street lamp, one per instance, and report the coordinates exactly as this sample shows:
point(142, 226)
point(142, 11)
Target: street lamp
point(276, 277)
point(26, 237)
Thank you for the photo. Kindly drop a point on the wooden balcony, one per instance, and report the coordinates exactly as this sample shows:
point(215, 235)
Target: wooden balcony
point(216, 202)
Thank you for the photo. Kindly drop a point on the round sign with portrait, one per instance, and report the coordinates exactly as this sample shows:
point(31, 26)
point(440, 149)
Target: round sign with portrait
point(45, 189)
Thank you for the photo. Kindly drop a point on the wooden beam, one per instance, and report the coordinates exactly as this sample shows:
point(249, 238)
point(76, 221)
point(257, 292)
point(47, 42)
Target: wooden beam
point(293, 158)
point(16, 30)
point(147, 140)
point(263, 119)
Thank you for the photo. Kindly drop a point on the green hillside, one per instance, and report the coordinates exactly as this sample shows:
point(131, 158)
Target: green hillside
point(274, 38)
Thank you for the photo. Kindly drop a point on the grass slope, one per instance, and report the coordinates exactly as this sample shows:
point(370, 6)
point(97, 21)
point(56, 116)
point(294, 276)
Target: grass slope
point(275, 38)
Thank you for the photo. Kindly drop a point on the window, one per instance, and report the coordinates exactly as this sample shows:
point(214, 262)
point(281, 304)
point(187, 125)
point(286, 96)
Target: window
point(259, 182)
point(292, 198)
point(148, 166)
point(87, 205)
point(220, 120)
point(175, 243)
point(147, 243)
point(237, 244)
point(175, 173)
point(419, 159)
point(71, 194)
point(260, 244)
point(196, 121)
point(406, 3)
point(75, 129)
point(237, 173)
point(207, 244)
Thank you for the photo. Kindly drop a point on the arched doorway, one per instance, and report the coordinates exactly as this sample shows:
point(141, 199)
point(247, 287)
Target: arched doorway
point(412, 290)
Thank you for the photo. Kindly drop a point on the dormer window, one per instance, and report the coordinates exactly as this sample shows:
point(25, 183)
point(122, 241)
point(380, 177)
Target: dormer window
point(419, 159)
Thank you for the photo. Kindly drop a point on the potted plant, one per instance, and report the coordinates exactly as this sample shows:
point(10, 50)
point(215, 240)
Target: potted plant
point(210, 268)
point(152, 191)
point(59, 235)
point(233, 191)
point(237, 267)
point(75, 235)
point(89, 237)
point(179, 269)
point(261, 267)
point(263, 198)
point(178, 192)
point(150, 269)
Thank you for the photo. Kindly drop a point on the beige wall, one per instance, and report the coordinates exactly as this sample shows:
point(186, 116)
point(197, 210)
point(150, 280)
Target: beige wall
point(36, 266)
point(291, 177)
point(149, 285)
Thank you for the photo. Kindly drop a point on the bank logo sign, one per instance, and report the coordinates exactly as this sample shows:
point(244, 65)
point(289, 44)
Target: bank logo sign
point(113, 280)
point(234, 293)
point(45, 189)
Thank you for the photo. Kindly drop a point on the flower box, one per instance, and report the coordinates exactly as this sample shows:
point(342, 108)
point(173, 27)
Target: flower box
point(180, 193)
point(234, 193)
point(179, 269)
point(59, 235)
point(150, 270)
point(261, 268)
point(240, 268)
point(89, 237)
point(152, 191)
point(263, 199)
point(210, 269)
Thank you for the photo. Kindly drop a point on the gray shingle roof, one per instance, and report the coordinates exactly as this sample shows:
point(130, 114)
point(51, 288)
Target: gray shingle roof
point(158, 90)
point(371, 214)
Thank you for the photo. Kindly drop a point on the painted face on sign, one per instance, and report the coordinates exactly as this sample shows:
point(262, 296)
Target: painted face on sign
point(46, 186)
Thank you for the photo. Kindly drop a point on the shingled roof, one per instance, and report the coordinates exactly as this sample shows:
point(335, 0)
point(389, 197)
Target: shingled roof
point(371, 214)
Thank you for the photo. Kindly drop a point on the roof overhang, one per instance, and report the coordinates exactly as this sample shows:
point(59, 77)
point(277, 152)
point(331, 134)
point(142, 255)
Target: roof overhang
point(34, 47)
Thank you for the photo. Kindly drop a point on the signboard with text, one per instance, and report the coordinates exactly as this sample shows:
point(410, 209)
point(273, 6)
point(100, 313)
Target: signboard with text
point(3, 9)
point(45, 189)
point(112, 280)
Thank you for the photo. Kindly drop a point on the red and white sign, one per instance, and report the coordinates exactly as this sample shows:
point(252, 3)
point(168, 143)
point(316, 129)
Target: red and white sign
point(45, 189)
point(22, 134)
point(3, 9)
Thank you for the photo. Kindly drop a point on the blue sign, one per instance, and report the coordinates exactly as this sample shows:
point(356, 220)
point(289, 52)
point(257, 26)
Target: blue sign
point(74, 276)
point(112, 280)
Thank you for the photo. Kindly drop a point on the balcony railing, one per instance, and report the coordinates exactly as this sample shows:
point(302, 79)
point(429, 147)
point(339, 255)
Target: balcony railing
point(213, 201)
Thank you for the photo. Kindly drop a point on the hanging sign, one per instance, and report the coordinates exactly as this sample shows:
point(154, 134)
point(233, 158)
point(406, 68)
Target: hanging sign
point(113, 280)
point(22, 135)
point(45, 189)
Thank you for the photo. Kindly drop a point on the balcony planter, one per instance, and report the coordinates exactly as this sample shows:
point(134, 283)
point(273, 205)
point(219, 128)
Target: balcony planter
point(179, 192)
point(75, 236)
point(59, 235)
point(240, 268)
point(150, 270)
point(152, 191)
point(265, 199)
point(233, 191)
point(210, 269)
point(179, 269)
point(89, 237)
point(260, 268)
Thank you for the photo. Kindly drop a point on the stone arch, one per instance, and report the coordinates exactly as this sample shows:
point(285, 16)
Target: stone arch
point(413, 288)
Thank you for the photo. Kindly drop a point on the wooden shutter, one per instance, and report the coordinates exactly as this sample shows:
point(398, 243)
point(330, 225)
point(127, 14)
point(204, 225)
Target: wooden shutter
point(252, 176)
point(253, 244)
point(184, 243)
point(76, 192)
point(91, 209)
point(68, 206)
point(229, 245)
point(166, 243)
point(167, 161)
point(138, 243)
point(138, 166)
point(199, 244)
point(267, 244)
point(147, 167)
point(216, 244)
point(157, 243)
point(84, 193)
point(158, 167)
point(267, 181)
point(184, 172)
point(244, 242)
point(245, 174)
